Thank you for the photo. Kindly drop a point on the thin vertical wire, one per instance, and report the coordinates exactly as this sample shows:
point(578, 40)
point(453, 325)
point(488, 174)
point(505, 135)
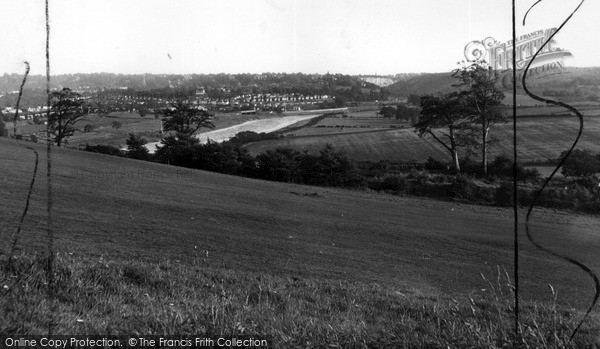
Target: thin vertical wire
point(49, 228)
point(515, 179)
point(566, 258)
point(16, 117)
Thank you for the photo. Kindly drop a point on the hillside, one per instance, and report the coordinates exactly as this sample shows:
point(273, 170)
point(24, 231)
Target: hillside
point(163, 235)
point(569, 80)
point(123, 208)
point(423, 84)
point(541, 137)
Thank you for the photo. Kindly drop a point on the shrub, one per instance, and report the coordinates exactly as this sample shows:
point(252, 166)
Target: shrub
point(435, 165)
point(396, 183)
point(502, 166)
point(330, 167)
point(391, 182)
point(470, 166)
point(136, 148)
point(374, 169)
point(504, 194)
point(104, 149)
point(88, 128)
point(3, 131)
point(280, 165)
point(580, 163)
point(250, 136)
point(463, 187)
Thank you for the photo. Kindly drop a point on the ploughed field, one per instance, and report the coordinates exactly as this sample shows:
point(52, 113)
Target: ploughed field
point(539, 137)
point(122, 209)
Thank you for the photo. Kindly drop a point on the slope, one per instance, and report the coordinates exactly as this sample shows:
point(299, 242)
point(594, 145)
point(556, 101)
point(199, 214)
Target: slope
point(125, 209)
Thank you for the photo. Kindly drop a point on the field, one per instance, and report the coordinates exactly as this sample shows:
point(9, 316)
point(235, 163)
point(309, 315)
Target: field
point(371, 138)
point(148, 127)
point(258, 126)
point(367, 145)
point(169, 232)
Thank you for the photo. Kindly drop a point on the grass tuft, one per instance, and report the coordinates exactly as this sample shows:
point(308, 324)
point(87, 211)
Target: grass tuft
point(112, 297)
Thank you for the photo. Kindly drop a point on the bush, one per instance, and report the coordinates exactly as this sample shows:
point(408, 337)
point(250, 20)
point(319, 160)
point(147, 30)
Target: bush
point(250, 136)
point(330, 168)
point(3, 131)
point(470, 166)
point(463, 187)
point(390, 183)
point(580, 163)
point(504, 194)
point(280, 165)
point(435, 165)
point(88, 128)
point(502, 166)
point(136, 148)
point(374, 169)
point(104, 149)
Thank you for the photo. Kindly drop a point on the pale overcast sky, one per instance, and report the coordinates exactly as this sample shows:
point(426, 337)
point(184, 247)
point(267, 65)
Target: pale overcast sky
point(309, 36)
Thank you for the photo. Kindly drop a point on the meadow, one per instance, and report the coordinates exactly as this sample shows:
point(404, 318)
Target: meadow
point(370, 138)
point(172, 250)
point(148, 127)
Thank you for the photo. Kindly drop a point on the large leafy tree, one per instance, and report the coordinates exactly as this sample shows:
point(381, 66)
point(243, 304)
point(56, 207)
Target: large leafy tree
point(185, 119)
point(443, 118)
point(483, 101)
point(182, 120)
point(67, 107)
point(136, 148)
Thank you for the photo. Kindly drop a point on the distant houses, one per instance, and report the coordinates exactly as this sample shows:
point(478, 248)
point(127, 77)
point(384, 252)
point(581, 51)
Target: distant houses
point(25, 114)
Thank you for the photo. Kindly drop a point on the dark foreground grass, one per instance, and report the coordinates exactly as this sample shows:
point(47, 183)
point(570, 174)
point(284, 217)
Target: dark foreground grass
point(124, 297)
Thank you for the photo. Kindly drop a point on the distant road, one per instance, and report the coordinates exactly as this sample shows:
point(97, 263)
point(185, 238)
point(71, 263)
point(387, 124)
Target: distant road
point(258, 126)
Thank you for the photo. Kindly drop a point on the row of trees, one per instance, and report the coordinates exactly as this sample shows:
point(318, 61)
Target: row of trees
point(461, 120)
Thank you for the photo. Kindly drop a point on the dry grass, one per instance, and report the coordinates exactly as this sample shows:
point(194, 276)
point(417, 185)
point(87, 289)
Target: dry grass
point(125, 297)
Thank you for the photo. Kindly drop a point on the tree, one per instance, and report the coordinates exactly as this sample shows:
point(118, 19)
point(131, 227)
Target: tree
point(116, 125)
point(142, 112)
point(484, 101)
point(3, 132)
point(446, 112)
point(404, 112)
point(580, 163)
point(136, 148)
point(387, 111)
point(413, 99)
point(88, 128)
point(67, 108)
point(184, 119)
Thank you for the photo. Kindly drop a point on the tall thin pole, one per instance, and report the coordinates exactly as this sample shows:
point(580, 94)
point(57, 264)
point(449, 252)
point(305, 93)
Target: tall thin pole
point(515, 189)
point(49, 228)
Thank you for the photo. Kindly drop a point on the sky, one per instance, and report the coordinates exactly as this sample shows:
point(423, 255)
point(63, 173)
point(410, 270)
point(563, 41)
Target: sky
point(254, 36)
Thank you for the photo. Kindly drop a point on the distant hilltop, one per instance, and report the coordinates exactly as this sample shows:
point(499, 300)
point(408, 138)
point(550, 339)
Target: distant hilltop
point(387, 80)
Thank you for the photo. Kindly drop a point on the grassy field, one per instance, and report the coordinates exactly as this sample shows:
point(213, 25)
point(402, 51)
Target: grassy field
point(539, 139)
point(361, 145)
point(148, 127)
point(159, 249)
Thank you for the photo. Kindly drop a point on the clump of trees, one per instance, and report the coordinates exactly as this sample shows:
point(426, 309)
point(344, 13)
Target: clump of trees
point(328, 168)
point(400, 112)
point(461, 120)
point(580, 163)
